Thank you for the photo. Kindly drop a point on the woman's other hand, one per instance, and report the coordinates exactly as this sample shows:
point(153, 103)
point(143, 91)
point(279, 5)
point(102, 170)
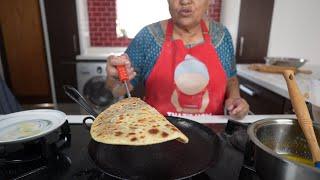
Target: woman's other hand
point(237, 108)
point(113, 82)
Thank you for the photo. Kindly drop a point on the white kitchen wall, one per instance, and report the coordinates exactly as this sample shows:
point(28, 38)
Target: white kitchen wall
point(83, 25)
point(230, 12)
point(295, 30)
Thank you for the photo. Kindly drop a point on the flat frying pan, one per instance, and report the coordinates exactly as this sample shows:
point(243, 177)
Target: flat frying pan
point(168, 160)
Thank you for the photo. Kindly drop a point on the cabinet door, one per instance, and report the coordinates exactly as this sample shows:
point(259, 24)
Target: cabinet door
point(62, 25)
point(253, 31)
point(64, 74)
point(22, 51)
point(261, 100)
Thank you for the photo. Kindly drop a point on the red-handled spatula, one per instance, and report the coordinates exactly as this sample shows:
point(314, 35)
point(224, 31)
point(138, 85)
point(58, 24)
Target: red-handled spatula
point(123, 76)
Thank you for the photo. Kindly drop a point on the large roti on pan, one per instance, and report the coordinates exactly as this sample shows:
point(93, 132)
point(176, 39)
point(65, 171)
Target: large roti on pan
point(131, 121)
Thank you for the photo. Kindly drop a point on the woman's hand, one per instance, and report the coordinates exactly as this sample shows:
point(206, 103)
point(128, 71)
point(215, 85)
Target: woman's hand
point(114, 61)
point(237, 108)
point(113, 82)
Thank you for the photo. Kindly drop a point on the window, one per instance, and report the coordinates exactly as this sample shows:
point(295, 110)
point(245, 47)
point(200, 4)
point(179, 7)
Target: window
point(132, 15)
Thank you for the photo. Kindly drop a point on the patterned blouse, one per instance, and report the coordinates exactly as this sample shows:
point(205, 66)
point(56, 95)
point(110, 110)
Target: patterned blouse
point(145, 48)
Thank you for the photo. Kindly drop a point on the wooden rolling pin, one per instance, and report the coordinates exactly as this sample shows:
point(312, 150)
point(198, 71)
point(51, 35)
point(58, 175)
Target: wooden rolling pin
point(276, 69)
point(302, 113)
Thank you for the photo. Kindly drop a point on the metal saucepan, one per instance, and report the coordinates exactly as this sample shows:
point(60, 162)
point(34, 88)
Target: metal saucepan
point(168, 160)
point(276, 140)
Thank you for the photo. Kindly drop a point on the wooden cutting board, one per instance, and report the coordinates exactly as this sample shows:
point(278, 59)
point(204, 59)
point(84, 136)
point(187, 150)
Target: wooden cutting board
point(276, 69)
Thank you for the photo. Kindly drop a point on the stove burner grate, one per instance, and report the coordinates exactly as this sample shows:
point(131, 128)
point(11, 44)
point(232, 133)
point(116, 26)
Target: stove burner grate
point(22, 170)
point(32, 160)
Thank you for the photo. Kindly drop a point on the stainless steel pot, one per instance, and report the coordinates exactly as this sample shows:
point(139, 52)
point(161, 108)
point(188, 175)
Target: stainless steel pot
point(273, 138)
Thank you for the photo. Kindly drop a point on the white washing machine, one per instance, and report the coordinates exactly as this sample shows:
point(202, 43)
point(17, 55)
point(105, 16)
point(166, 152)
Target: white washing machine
point(91, 77)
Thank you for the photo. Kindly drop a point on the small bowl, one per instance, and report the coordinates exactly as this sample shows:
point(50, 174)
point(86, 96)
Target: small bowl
point(285, 61)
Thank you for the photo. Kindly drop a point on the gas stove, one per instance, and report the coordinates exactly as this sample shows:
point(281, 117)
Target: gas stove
point(63, 155)
point(36, 158)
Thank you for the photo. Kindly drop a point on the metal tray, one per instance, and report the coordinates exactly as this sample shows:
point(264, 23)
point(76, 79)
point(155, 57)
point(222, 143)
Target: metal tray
point(285, 61)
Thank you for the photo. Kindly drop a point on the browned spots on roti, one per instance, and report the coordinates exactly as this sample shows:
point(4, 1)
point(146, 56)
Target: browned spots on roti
point(141, 120)
point(153, 131)
point(155, 126)
point(133, 122)
point(118, 133)
point(164, 134)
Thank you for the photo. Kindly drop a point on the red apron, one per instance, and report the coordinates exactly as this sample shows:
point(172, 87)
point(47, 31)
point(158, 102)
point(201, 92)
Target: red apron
point(171, 86)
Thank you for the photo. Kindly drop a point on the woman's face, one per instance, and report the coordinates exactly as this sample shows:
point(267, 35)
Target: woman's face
point(187, 13)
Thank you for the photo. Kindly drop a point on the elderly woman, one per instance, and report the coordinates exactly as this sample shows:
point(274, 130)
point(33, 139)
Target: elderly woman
point(186, 63)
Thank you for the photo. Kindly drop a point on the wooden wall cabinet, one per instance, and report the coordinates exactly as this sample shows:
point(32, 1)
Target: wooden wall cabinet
point(62, 25)
point(253, 32)
point(22, 51)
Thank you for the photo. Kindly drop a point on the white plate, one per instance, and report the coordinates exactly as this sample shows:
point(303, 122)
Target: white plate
point(28, 125)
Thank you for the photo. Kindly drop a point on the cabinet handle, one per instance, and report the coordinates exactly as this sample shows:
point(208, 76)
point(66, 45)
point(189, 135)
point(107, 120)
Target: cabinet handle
point(247, 90)
point(75, 47)
point(241, 45)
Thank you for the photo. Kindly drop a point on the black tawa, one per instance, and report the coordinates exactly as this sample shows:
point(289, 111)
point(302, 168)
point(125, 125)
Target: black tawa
point(168, 160)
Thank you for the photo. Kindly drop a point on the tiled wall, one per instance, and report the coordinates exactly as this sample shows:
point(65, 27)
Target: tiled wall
point(215, 10)
point(102, 22)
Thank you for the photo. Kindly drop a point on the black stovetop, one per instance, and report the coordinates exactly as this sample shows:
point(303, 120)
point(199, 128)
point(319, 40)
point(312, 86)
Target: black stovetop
point(71, 160)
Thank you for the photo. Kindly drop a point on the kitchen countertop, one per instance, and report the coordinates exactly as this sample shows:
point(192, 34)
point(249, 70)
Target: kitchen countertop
point(77, 119)
point(100, 53)
point(276, 83)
